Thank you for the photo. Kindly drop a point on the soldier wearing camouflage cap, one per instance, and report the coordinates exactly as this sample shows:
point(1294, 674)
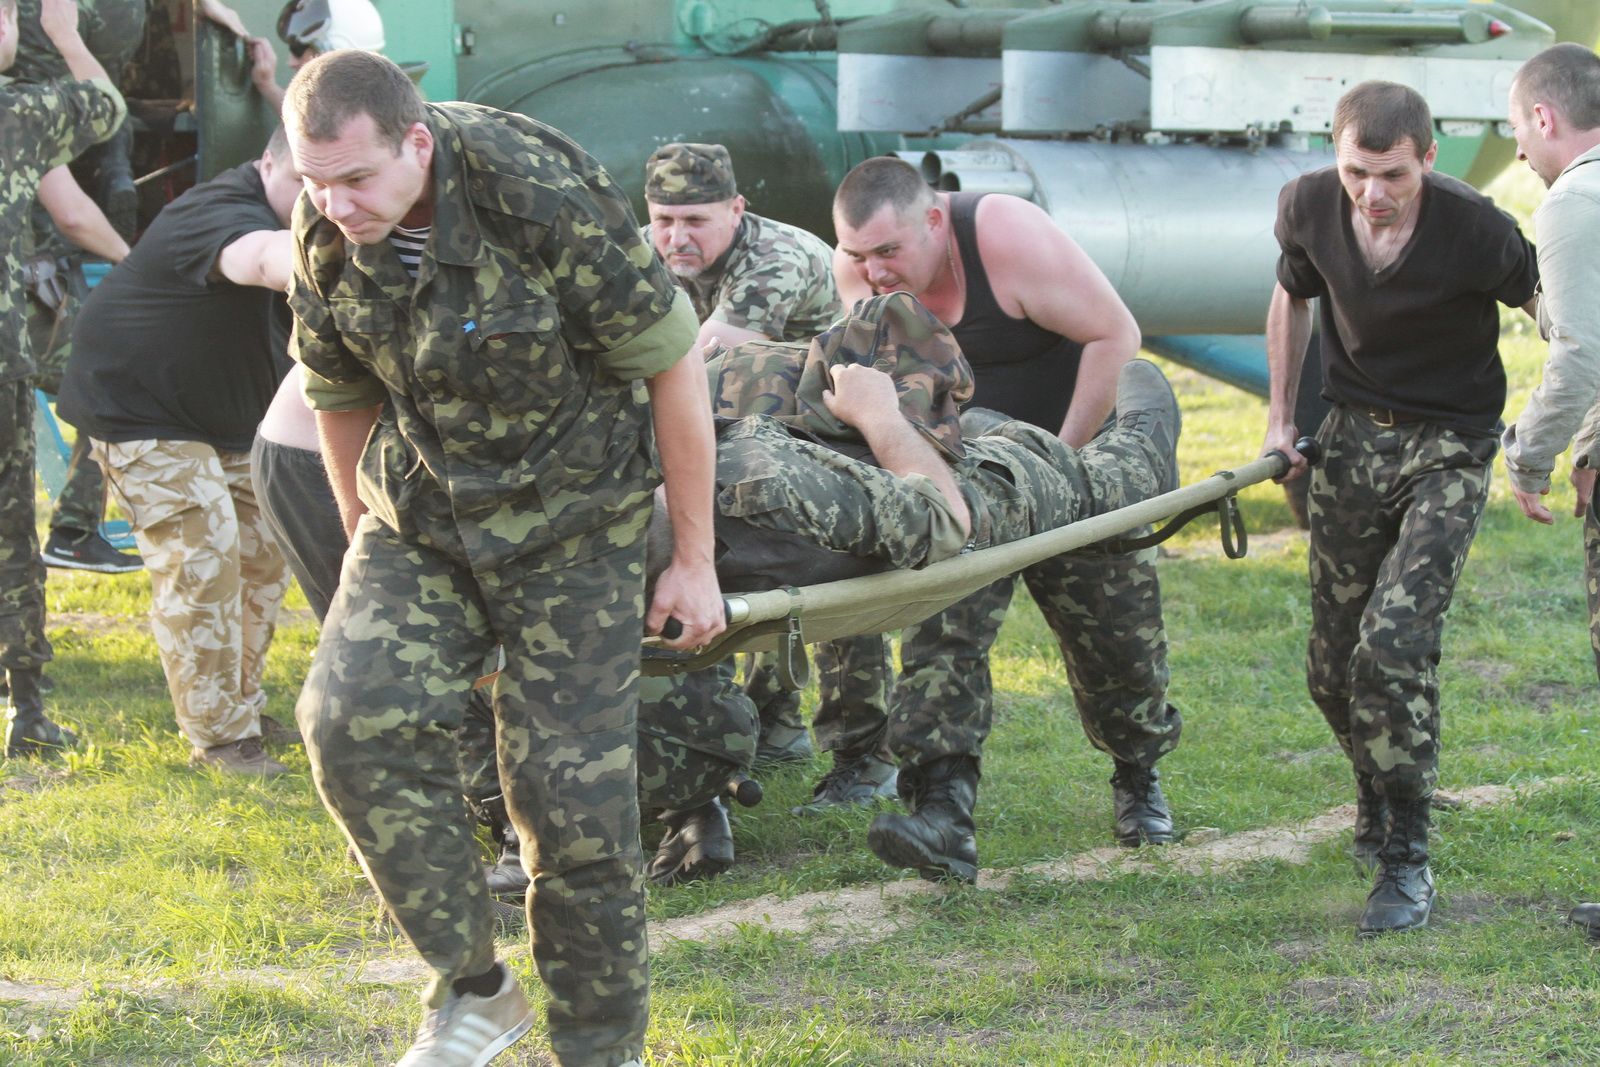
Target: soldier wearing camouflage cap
point(488, 344)
point(754, 278)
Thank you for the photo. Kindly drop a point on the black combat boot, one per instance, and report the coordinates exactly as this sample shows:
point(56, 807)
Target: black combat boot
point(28, 730)
point(1372, 823)
point(936, 839)
point(781, 744)
point(853, 782)
point(699, 844)
point(1139, 806)
point(1586, 916)
point(505, 876)
point(1402, 896)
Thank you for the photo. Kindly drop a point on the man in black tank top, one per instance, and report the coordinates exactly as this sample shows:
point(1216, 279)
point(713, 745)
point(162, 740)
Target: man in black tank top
point(1046, 336)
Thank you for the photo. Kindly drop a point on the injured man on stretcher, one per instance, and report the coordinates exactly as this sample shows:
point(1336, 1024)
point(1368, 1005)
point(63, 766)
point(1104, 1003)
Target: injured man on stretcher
point(849, 456)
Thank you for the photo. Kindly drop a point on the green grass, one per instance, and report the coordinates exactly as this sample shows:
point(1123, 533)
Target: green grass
point(155, 915)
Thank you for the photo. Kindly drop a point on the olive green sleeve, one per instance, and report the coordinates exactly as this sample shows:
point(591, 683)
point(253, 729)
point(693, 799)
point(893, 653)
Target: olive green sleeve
point(660, 346)
point(325, 395)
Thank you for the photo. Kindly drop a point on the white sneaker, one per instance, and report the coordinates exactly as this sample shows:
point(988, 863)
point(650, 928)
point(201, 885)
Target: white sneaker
point(470, 1030)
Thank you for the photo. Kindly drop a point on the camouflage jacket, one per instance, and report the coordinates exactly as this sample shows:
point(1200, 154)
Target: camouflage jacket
point(508, 369)
point(774, 279)
point(41, 126)
point(893, 333)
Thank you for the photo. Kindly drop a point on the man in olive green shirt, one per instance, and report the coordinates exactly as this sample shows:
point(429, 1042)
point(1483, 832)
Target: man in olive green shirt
point(480, 322)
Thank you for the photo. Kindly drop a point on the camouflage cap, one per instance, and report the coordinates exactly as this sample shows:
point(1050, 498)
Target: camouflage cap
point(681, 173)
point(893, 333)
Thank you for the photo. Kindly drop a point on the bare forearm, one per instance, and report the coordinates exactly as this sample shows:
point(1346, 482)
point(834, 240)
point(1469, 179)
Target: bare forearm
point(343, 435)
point(1094, 394)
point(1288, 334)
point(682, 415)
point(902, 451)
point(79, 217)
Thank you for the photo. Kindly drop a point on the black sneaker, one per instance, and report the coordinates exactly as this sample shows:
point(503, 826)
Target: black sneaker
point(87, 552)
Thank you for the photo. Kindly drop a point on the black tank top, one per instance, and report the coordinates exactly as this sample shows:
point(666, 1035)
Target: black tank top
point(1022, 369)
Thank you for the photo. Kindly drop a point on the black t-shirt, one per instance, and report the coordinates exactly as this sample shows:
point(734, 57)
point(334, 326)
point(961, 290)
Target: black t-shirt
point(165, 347)
point(1421, 337)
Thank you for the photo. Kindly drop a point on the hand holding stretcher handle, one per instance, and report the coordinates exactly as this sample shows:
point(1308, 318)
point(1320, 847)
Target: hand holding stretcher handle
point(1308, 447)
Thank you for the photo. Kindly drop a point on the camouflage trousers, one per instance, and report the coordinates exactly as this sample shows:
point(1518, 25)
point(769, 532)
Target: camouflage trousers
point(1393, 512)
point(1591, 567)
point(216, 578)
point(405, 638)
point(852, 699)
point(696, 731)
point(80, 504)
point(1105, 611)
point(23, 645)
point(1104, 608)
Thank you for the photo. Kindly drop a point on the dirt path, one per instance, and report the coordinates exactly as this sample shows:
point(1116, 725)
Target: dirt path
point(872, 913)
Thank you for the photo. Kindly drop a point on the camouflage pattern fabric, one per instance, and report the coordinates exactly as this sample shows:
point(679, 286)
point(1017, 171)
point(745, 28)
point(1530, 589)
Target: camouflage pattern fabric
point(112, 29)
point(1393, 512)
point(216, 578)
point(23, 645)
point(1591, 572)
point(1105, 612)
point(852, 695)
point(41, 127)
point(893, 333)
point(80, 505)
point(686, 173)
point(774, 279)
point(696, 731)
point(402, 644)
point(509, 480)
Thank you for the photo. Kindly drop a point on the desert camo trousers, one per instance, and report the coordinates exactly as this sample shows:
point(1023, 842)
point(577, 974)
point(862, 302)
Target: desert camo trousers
point(1393, 512)
point(216, 577)
point(406, 637)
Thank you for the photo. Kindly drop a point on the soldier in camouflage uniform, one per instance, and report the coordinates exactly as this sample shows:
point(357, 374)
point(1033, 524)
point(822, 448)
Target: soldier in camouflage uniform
point(815, 477)
point(1046, 336)
point(755, 278)
point(1410, 334)
point(113, 30)
point(42, 127)
point(497, 401)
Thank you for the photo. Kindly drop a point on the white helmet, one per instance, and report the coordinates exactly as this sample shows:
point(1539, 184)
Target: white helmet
point(327, 25)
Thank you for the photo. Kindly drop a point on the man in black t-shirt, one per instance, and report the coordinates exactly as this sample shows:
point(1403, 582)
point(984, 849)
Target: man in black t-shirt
point(1409, 266)
point(176, 355)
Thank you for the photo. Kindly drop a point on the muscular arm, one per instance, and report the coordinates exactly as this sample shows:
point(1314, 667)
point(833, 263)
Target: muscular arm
point(1288, 333)
point(59, 20)
point(687, 590)
point(865, 398)
point(79, 217)
point(262, 257)
point(343, 435)
point(1039, 273)
point(717, 330)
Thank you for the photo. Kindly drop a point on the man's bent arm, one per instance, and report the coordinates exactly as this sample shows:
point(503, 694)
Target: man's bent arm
point(1288, 334)
point(343, 435)
point(261, 257)
point(78, 216)
point(717, 330)
point(1057, 286)
point(865, 398)
point(59, 20)
point(687, 590)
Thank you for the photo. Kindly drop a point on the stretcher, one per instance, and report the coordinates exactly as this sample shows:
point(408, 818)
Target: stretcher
point(786, 620)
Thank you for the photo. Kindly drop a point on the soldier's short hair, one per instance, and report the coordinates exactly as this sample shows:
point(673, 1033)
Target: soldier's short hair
point(337, 86)
point(278, 144)
point(1381, 114)
point(875, 182)
point(1566, 77)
